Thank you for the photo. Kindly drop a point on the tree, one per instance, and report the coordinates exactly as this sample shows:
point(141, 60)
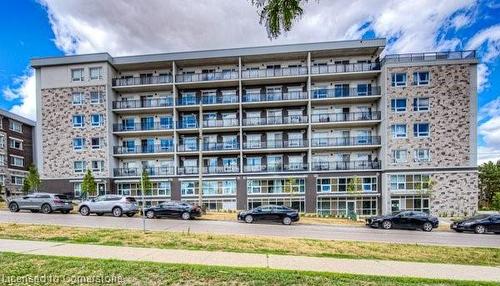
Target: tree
point(278, 15)
point(496, 202)
point(33, 178)
point(489, 183)
point(146, 184)
point(26, 187)
point(89, 186)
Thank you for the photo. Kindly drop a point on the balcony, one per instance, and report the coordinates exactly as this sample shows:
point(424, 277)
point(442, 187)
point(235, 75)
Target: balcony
point(298, 167)
point(187, 101)
point(143, 103)
point(187, 125)
point(339, 93)
point(275, 144)
point(224, 99)
point(220, 169)
point(210, 76)
point(345, 141)
point(187, 148)
point(345, 117)
point(188, 170)
point(136, 172)
point(221, 146)
point(121, 150)
point(270, 73)
point(426, 57)
point(229, 122)
point(345, 68)
point(275, 120)
point(118, 127)
point(345, 165)
point(147, 80)
point(274, 96)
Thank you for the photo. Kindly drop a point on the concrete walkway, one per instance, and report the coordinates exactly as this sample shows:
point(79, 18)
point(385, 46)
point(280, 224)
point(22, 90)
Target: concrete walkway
point(352, 266)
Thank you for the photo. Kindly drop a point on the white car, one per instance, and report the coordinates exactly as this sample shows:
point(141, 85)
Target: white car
point(116, 205)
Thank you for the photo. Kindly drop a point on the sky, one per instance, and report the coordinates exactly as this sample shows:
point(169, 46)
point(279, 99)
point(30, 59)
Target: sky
point(40, 28)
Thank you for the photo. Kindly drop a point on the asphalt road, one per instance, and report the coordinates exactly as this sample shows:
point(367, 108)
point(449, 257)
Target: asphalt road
point(326, 232)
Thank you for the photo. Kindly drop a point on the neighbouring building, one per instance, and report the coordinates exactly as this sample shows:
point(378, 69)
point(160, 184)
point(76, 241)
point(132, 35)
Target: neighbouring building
point(16, 151)
point(330, 127)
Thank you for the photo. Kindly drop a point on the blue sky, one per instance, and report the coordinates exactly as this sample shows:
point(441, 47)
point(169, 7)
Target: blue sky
point(120, 27)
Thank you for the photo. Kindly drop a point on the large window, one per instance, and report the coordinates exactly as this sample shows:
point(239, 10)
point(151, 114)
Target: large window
point(399, 156)
point(16, 161)
point(78, 98)
point(78, 143)
point(346, 184)
point(398, 105)
point(422, 155)
point(95, 73)
point(398, 79)
point(410, 203)
point(96, 142)
point(158, 189)
point(97, 120)
point(276, 186)
point(79, 166)
point(421, 129)
point(78, 121)
point(421, 104)
point(398, 131)
point(77, 75)
point(17, 180)
point(336, 206)
point(403, 182)
point(97, 165)
point(77, 190)
point(222, 187)
point(421, 78)
point(16, 126)
point(96, 97)
point(189, 188)
point(16, 143)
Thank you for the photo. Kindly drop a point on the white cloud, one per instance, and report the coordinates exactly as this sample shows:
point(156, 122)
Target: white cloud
point(25, 92)
point(489, 129)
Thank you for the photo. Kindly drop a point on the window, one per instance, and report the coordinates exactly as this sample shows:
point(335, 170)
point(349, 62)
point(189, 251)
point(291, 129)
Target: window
point(79, 166)
point(17, 180)
point(96, 120)
point(78, 98)
point(97, 165)
point(421, 104)
point(189, 188)
point(421, 78)
point(398, 79)
point(2, 160)
point(16, 144)
point(16, 161)
point(276, 186)
point(78, 143)
point(398, 104)
point(399, 156)
point(2, 141)
point(95, 73)
point(421, 129)
point(340, 184)
point(96, 142)
point(16, 126)
point(96, 97)
point(77, 75)
point(77, 190)
point(398, 131)
point(78, 121)
point(422, 155)
point(409, 182)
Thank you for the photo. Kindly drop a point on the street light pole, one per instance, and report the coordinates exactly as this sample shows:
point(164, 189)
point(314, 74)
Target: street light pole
point(143, 203)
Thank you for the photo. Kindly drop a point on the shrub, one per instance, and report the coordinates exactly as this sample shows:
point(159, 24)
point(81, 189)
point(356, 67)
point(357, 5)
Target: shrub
point(496, 201)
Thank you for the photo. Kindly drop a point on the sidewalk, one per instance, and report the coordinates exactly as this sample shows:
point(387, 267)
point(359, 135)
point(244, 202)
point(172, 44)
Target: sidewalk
point(352, 266)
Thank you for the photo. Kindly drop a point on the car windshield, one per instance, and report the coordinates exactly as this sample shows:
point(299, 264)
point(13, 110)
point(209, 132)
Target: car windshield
point(130, 199)
point(61, 197)
point(483, 216)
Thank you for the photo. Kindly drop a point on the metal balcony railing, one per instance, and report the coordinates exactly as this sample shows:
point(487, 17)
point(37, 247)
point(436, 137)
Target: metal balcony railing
point(232, 98)
point(135, 172)
point(187, 148)
point(263, 73)
point(346, 141)
point(118, 127)
point(143, 103)
point(187, 124)
point(230, 122)
point(143, 149)
point(344, 92)
point(345, 165)
point(188, 170)
point(275, 168)
point(197, 77)
point(274, 96)
point(275, 120)
point(220, 169)
point(160, 79)
point(218, 146)
point(345, 116)
point(433, 56)
point(345, 68)
point(188, 100)
point(270, 144)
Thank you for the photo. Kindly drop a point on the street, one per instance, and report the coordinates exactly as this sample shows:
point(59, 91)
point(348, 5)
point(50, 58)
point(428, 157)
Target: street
point(326, 232)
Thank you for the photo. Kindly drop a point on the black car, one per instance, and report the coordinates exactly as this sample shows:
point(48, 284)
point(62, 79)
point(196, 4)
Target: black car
point(478, 224)
point(276, 213)
point(404, 220)
point(174, 209)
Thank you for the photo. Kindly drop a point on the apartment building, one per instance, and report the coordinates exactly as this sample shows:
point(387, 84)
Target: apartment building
point(16, 151)
point(332, 127)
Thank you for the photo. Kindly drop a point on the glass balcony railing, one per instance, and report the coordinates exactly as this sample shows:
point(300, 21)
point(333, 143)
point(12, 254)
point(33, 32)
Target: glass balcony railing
point(271, 144)
point(187, 147)
point(434, 56)
point(275, 96)
point(143, 103)
point(278, 72)
point(344, 92)
point(218, 146)
point(230, 122)
point(346, 141)
point(232, 98)
point(136, 172)
point(345, 116)
point(209, 76)
point(345, 165)
point(118, 127)
point(275, 120)
point(345, 68)
point(221, 169)
point(188, 170)
point(270, 168)
point(143, 80)
point(143, 149)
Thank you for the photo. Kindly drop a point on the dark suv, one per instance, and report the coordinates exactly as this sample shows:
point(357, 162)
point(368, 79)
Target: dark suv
point(183, 210)
point(271, 212)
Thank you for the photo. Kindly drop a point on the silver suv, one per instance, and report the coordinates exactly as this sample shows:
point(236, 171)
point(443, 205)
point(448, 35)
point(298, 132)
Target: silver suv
point(116, 205)
point(44, 202)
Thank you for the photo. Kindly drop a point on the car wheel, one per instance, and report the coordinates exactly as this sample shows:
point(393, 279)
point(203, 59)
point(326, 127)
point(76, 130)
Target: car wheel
point(287, 221)
point(85, 211)
point(248, 219)
point(14, 207)
point(130, 214)
point(99, 214)
point(480, 229)
point(46, 209)
point(117, 212)
point(185, 216)
point(34, 211)
point(427, 226)
point(386, 224)
point(150, 214)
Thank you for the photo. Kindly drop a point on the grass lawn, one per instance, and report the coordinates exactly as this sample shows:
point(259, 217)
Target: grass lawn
point(148, 273)
point(258, 244)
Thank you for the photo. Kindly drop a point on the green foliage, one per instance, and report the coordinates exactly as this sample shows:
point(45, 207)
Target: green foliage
point(354, 185)
point(278, 15)
point(32, 179)
point(489, 183)
point(496, 202)
point(89, 186)
point(26, 187)
point(146, 184)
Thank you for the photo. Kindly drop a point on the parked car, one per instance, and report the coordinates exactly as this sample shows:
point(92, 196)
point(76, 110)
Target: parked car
point(271, 212)
point(174, 209)
point(116, 205)
point(404, 220)
point(479, 224)
point(44, 202)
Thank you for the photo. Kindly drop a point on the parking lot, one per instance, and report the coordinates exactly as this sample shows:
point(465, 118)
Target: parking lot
point(327, 232)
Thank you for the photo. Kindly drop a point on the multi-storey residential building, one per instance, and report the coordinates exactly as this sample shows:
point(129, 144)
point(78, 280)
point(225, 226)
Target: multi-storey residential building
point(329, 127)
point(16, 150)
